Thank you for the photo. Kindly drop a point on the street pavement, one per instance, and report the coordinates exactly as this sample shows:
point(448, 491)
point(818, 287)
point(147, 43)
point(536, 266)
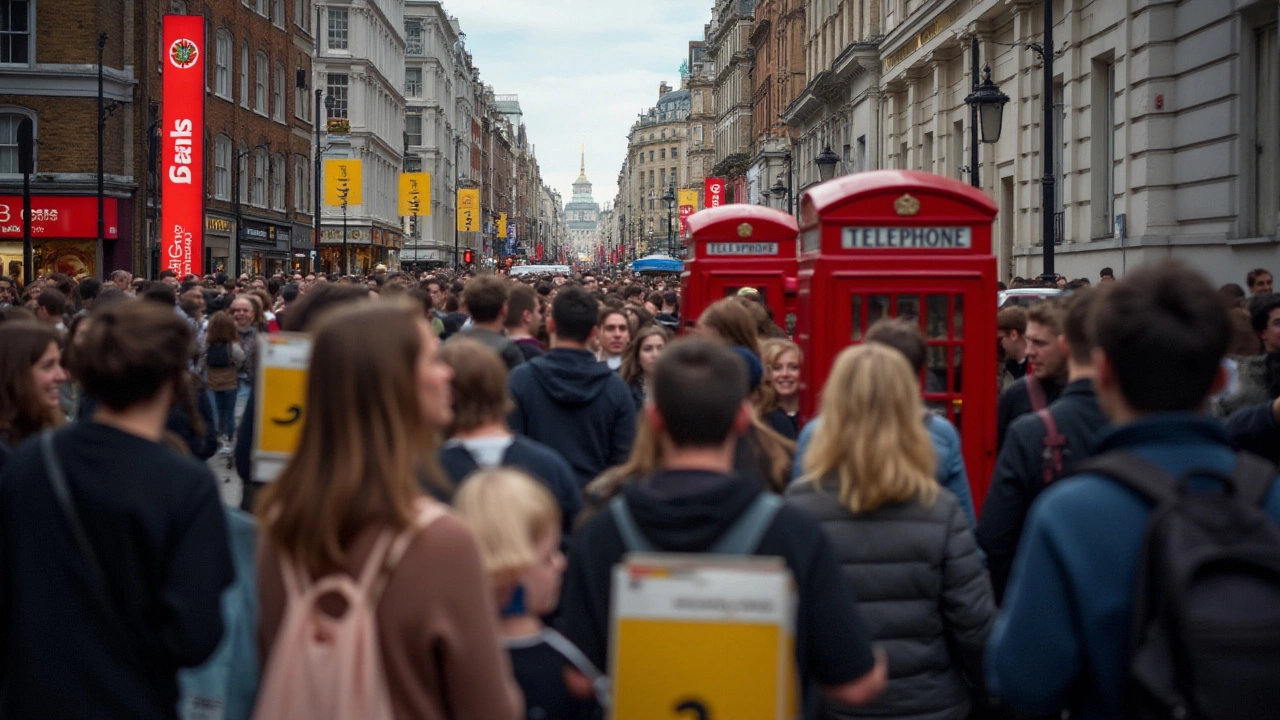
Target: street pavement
point(229, 484)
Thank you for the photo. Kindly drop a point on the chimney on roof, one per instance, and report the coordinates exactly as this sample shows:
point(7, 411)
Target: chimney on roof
point(663, 89)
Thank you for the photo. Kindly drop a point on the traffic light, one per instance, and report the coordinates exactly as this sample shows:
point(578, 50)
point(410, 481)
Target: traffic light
point(468, 257)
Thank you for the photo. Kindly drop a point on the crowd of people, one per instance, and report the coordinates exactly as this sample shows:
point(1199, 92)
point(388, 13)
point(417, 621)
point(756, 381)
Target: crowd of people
point(479, 452)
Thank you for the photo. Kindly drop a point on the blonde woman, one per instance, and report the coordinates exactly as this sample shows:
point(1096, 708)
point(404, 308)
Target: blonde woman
point(779, 398)
point(904, 544)
point(517, 523)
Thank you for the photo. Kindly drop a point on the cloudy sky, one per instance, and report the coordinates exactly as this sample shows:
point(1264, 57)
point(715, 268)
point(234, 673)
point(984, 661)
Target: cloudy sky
point(583, 69)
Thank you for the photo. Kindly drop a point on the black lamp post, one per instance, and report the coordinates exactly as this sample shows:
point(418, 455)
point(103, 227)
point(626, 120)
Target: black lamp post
point(670, 199)
point(986, 113)
point(827, 162)
point(329, 104)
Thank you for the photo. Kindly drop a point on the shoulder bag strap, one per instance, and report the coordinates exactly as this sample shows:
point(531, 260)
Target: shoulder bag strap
point(599, 681)
point(1053, 441)
point(627, 528)
point(743, 537)
point(428, 512)
point(1035, 392)
point(1142, 476)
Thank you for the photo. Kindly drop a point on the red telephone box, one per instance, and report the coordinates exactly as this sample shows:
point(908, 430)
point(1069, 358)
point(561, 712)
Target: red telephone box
point(735, 246)
point(895, 243)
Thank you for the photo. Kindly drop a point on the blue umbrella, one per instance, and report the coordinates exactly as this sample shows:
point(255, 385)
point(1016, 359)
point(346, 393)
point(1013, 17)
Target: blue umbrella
point(657, 263)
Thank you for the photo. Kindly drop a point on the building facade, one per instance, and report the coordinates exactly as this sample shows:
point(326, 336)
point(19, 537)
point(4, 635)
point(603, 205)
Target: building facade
point(1164, 137)
point(657, 146)
point(729, 47)
point(361, 64)
point(777, 44)
point(582, 213)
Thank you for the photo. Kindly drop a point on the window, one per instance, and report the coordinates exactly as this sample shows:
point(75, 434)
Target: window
point(1265, 116)
point(9, 141)
point(413, 82)
point(260, 170)
point(338, 29)
point(413, 130)
point(222, 168)
point(222, 65)
point(302, 185)
point(302, 14)
point(244, 74)
point(277, 94)
point(1102, 146)
point(260, 86)
point(277, 182)
point(662, 154)
point(650, 156)
point(260, 7)
point(277, 12)
point(15, 32)
point(302, 101)
point(675, 153)
point(413, 38)
point(337, 89)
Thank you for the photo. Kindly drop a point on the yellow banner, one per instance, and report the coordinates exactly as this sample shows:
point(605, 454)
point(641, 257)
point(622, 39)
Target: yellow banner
point(469, 210)
point(689, 198)
point(502, 225)
point(343, 177)
point(415, 194)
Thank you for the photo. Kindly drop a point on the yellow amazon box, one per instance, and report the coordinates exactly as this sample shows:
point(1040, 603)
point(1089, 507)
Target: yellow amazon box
point(702, 637)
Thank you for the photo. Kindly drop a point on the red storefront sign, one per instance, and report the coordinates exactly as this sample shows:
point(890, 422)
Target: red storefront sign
point(182, 145)
point(59, 216)
point(713, 188)
point(685, 212)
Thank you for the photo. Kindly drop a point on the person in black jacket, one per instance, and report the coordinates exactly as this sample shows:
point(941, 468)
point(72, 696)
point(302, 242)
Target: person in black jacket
point(700, 408)
point(1046, 369)
point(101, 628)
point(1032, 457)
point(480, 438)
point(568, 401)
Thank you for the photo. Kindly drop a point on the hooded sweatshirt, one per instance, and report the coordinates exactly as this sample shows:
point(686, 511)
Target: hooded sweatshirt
point(577, 407)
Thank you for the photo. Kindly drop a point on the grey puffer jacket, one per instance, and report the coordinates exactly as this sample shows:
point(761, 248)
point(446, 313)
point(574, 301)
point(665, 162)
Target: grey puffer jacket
point(922, 592)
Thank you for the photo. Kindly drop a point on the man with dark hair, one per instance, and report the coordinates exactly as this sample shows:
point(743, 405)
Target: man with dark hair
point(905, 337)
point(1039, 447)
point(51, 305)
point(667, 317)
point(1106, 275)
point(1011, 333)
point(1063, 639)
point(589, 282)
point(1264, 315)
point(699, 409)
point(524, 315)
point(485, 299)
point(633, 295)
point(89, 290)
point(169, 277)
point(8, 291)
point(570, 402)
point(1046, 368)
point(1259, 281)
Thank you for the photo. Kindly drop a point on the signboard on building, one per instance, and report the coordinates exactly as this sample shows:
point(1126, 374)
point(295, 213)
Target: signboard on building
point(58, 216)
point(468, 209)
point(415, 194)
point(688, 206)
point(714, 191)
point(743, 248)
point(182, 145)
point(343, 182)
point(907, 238)
point(502, 225)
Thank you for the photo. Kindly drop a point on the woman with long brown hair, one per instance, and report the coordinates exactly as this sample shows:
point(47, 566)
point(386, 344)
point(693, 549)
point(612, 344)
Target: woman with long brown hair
point(639, 358)
point(221, 359)
point(377, 396)
point(31, 376)
point(903, 543)
point(728, 321)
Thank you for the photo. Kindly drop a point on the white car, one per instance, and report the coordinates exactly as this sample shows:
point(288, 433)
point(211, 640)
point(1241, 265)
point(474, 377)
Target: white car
point(1026, 297)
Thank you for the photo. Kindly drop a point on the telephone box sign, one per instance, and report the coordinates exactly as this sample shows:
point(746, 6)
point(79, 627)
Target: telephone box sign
point(907, 238)
point(725, 248)
point(182, 139)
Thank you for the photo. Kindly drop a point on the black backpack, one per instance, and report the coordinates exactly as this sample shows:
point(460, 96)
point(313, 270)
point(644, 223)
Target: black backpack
point(218, 355)
point(1205, 637)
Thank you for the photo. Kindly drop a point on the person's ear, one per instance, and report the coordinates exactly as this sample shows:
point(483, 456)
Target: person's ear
point(1104, 377)
point(1220, 380)
point(742, 421)
point(1063, 346)
point(551, 325)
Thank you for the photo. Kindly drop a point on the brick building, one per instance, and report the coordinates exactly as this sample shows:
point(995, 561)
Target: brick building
point(777, 41)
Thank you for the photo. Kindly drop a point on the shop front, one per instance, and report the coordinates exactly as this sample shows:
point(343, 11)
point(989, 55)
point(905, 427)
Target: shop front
point(217, 243)
point(64, 232)
point(360, 251)
point(302, 251)
point(264, 247)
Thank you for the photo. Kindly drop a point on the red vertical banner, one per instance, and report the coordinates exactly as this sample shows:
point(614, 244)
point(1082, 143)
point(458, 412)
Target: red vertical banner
point(713, 189)
point(182, 145)
point(685, 212)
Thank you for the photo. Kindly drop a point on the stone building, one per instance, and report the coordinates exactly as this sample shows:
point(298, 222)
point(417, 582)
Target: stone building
point(361, 64)
point(582, 213)
point(701, 155)
point(729, 47)
point(778, 76)
point(656, 146)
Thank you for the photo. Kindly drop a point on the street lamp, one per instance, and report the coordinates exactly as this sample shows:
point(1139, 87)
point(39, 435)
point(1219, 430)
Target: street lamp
point(329, 104)
point(670, 199)
point(827, 162)
point(990, 103)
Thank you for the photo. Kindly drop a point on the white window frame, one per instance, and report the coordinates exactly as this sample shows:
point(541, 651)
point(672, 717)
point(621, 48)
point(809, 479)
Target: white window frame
point(277, 13)
point(224, 48)
point(341, 93)
point(414, 43)
point(261, 73)
point(338, 29)
point(30, 35)
point(302, 185)
point(413, 89)
point(409, 136)
point(261, 168)
point(241, 161)
point(222, 154)
point(302, 14)
point(12, 116)
point(277, 93)
point(277, 183)
point(244, 74)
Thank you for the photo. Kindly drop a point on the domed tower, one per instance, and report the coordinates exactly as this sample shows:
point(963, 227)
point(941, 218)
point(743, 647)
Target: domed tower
point(582, 212)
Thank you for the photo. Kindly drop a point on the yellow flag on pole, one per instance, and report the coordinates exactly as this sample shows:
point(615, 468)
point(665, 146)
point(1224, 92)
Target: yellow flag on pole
point(415, 194)
point(469, 210)
point(343, 181)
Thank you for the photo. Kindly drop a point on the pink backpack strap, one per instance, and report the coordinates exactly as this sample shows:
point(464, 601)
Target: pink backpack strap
point(428, 512)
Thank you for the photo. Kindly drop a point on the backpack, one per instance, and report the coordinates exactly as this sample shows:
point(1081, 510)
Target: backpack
point(1052, 445)
point(742, 537)
point(1205, 633)
point(322, 666)
point(218, 355)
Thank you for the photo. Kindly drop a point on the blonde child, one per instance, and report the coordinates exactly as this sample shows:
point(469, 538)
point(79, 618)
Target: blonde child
point(517, 523)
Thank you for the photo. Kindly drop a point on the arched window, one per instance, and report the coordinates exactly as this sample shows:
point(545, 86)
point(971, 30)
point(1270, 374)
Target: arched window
point(222, 64)
point(10, 118)
point(277, 94)
point(260, 169)
point(222, 167)
point(277, 182)
point(244, 74)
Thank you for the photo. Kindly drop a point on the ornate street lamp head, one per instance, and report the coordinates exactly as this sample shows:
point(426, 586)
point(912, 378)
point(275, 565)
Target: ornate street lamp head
point(827, 162)
point(990, 103)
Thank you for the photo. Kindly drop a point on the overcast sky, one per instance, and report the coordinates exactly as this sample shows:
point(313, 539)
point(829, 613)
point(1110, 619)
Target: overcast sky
point(583, 70)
